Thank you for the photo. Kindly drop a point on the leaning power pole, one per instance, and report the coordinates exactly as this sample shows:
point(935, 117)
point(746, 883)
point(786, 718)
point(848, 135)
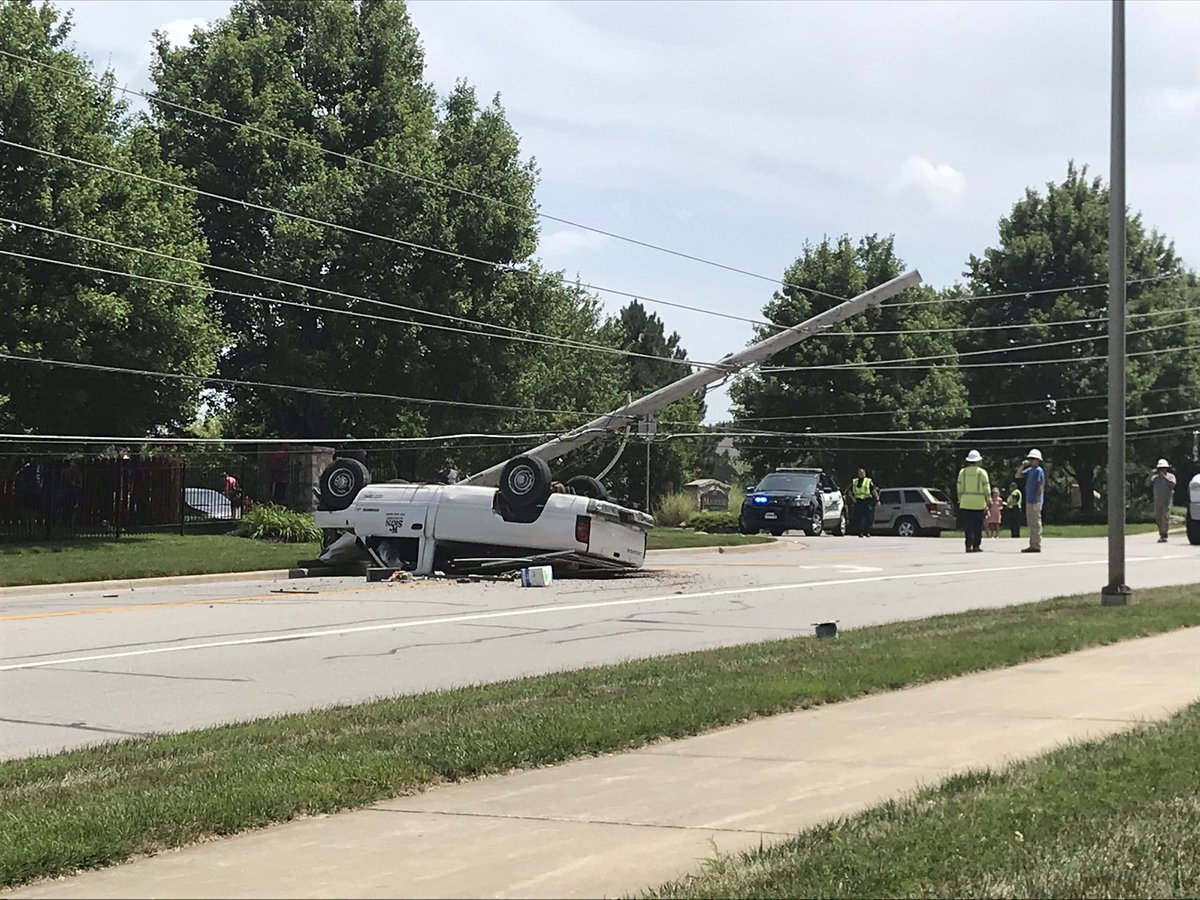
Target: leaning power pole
point(1116, 592)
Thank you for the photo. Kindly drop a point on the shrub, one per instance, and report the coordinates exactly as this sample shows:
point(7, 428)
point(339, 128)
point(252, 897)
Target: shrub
point(714, 522)
point(271, 522)
point(674, 509)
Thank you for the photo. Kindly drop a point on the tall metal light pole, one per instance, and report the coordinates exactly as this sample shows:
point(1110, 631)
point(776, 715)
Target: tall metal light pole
point(1116, 592)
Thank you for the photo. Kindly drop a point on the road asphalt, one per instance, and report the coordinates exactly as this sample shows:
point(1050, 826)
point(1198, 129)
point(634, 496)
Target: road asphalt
point(83, 665)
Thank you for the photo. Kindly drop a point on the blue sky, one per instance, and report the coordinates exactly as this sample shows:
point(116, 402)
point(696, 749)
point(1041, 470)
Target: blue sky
point(736, 131)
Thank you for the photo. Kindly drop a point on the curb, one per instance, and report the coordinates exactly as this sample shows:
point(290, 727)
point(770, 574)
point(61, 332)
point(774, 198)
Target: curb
point(712, 548)
point(134, 583)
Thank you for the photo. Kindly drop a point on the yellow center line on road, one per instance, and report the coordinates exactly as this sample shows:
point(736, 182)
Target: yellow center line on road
point(168, 604)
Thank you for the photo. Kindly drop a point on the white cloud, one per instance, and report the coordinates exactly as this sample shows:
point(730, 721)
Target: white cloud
point(567, 243)
point(179, 31)
point(940, 187)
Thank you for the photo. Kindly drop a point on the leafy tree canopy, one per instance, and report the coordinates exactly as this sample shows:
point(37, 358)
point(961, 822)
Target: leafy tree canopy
point(858, 398)
point(72, 312)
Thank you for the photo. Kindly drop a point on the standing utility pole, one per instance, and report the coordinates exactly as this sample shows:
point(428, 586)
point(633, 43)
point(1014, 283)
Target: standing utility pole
point(1116, 592)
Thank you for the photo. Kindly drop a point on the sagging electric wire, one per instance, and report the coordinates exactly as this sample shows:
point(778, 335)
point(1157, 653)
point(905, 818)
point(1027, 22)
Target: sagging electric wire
point(881, 363)
point(510, 267)
point(258, 298)
point(984, 365)
point(917, 442)
point(582, 345)
point(321, 392)
point(973, 429)
point(1048, 401)
point(515, 268)
point(422, 179)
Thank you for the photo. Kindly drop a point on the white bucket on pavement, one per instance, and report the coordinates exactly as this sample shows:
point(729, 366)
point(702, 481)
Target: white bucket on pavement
point(537, 576)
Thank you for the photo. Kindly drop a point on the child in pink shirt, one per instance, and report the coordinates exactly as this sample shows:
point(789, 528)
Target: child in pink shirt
point(995, 509)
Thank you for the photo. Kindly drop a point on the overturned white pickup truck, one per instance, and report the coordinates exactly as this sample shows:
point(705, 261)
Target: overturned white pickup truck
point(465, 527)
point(510, 515)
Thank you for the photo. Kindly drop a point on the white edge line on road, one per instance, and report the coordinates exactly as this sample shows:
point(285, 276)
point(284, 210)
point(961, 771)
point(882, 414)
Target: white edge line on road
point(554, 608)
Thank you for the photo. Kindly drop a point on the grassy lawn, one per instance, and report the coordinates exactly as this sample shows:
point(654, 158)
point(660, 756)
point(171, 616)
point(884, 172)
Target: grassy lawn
point(143, 556)
point(1112, 818)
point(678, 538)
point(94, 806)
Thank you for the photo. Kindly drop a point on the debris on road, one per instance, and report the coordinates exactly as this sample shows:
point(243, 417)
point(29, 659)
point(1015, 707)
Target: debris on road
point(537, 576)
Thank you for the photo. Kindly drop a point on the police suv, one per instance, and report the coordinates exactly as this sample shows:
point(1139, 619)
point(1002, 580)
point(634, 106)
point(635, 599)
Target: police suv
point(807, 500)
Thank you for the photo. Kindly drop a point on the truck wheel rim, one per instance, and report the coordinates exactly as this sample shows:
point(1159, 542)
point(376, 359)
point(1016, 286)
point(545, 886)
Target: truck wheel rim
point(341, 483)
point(520, 480)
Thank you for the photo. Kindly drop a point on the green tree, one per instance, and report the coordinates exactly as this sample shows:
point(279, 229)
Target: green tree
point(896, 399)
point(672, 461)
point(1055, 240)
point(348, 77)
point(74, 314)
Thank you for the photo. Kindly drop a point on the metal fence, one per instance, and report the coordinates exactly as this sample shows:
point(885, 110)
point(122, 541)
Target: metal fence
point(49, 497)
point(59, 495)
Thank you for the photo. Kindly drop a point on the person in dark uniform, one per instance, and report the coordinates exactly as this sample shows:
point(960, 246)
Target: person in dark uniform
point(865, 495)
point(1014, 508)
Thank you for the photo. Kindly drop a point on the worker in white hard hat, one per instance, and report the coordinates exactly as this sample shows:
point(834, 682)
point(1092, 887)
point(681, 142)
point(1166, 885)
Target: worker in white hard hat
point(1162, 482)
point(1035, 492)
point(974, 491)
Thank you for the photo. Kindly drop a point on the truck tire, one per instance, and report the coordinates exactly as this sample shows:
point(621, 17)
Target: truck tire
point(587, 486)
point(340, 483)
point(525, 481)
point(352, 453)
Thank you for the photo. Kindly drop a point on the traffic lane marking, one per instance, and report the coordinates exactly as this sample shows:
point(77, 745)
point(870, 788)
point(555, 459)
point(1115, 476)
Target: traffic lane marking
point(558, 608)
point(211, 601)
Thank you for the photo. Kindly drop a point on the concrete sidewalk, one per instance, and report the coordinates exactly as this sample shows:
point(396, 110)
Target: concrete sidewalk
point(617, 824)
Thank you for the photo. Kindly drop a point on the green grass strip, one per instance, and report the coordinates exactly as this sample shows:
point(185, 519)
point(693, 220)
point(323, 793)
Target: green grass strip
point(144, 556)
point(96, 806)
point(1113, 818)
point(676, 539)
point(152, 555)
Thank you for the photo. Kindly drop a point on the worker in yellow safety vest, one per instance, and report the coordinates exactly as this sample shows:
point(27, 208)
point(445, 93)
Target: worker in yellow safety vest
point(1014, 507)
point(974, 489)
point(865, 496)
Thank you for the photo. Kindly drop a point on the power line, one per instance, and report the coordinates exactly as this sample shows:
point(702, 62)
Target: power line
point(509, 267)
point(920, 442)
point(323, 392)
point(430, 181)
point(557, 341)
point(878, 363)
point(984, 365)
point(1059, 290)
point(962, 431)
point(508, 437)
point(965, 429)
point(546, 341)
point(996, 445)
point(973, 407)
point(1013, 327)
point(183, 441)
